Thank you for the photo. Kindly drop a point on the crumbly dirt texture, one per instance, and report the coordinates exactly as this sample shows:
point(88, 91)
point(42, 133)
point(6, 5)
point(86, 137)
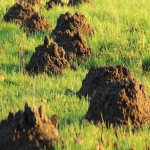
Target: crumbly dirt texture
point(48, 58)
point(74, 23)
point(52, 3)
point(69, 33)
point(32, 2)
point(24, 14)
point(115, 96)
point(76, 2)
point(37, 23)
point(74, 45)
point(30, 129)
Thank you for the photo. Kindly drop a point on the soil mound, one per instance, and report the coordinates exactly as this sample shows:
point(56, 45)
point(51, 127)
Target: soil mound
point(52, 3)
point(76, 2)
point(74, 23)
point(99, 78)
point(74, 44)
point(48, 58)
point(19, 12)
point(27, 130)
point(115, 96)
point(37, 23)
point(32, 2)
point(23, 14)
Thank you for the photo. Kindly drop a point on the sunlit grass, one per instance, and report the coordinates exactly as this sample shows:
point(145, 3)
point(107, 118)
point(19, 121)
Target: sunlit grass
point(121, 36)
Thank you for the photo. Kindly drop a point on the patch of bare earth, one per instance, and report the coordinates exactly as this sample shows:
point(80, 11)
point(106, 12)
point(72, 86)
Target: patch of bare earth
point(23, 14)
point(48, 58)
point(115, 96)
point(30, 129)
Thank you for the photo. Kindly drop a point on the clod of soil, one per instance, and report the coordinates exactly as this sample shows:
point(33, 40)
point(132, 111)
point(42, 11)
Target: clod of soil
point(74, 23)
point(28, 130)
point(74, 45)
point(116, 97)
point(76, 2)
point(19, 12)
point(32, 2)
point(99, 78)
point(23, 14)
point(48, 58)
point(52, 3)
point(37, 23)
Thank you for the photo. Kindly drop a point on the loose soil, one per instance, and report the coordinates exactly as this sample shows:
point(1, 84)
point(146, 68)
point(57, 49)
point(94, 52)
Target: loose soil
point(32, 2)
point(48, 58)
point(76, 2)
point(75, 23)
point(37, 23)
point(74, 45)
point(52, 3)
point(28, 130)
point(23, 14)
point(69, 34)
point(116, 97)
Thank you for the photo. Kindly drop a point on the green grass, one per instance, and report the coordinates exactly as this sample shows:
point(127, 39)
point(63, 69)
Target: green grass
point(122, 36)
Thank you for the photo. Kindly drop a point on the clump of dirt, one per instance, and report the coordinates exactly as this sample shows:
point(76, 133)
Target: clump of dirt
point(76, 2)
point(115, 96)
point(69, 33)
point(52, 3)
point(23, 14)
point(74, 44)
point(74, 23)
point(37, 23)
point(30, 129)
point(48, 58)
point(19, 12)
point(32, 2)
point(98, 78)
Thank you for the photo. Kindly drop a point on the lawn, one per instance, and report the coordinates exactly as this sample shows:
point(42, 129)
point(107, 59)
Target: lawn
point(121, 36)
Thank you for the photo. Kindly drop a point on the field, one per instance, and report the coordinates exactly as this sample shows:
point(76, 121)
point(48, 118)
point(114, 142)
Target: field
point(121, 36)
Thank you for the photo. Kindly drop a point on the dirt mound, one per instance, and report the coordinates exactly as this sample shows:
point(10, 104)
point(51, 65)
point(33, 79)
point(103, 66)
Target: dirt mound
point(48, 58)
point(52, 3)
point(32, 2)
point(37, 23)
point(23, 14)
point(27, 130)
point(76, 2)
point(99, 77)
point(115, 96)
point(74, 45)
point(74, 23)
point(19, 12)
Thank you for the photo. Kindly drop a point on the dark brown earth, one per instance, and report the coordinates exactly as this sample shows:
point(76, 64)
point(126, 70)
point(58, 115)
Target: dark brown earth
point(52, 3)
point(69, 33)
point(115, 96)
point(74, 23)
point(48, 58)
point(28, 130)
point(74, 45)
point(24, 14)
point(19, 12)
point(76, 2)
point(37, 23)
point(32, 2)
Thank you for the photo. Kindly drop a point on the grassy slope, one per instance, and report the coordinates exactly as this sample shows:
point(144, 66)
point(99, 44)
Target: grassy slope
point(112, 43)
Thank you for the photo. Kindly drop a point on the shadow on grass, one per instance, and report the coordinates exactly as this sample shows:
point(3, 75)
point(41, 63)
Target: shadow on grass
point(9, 68)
